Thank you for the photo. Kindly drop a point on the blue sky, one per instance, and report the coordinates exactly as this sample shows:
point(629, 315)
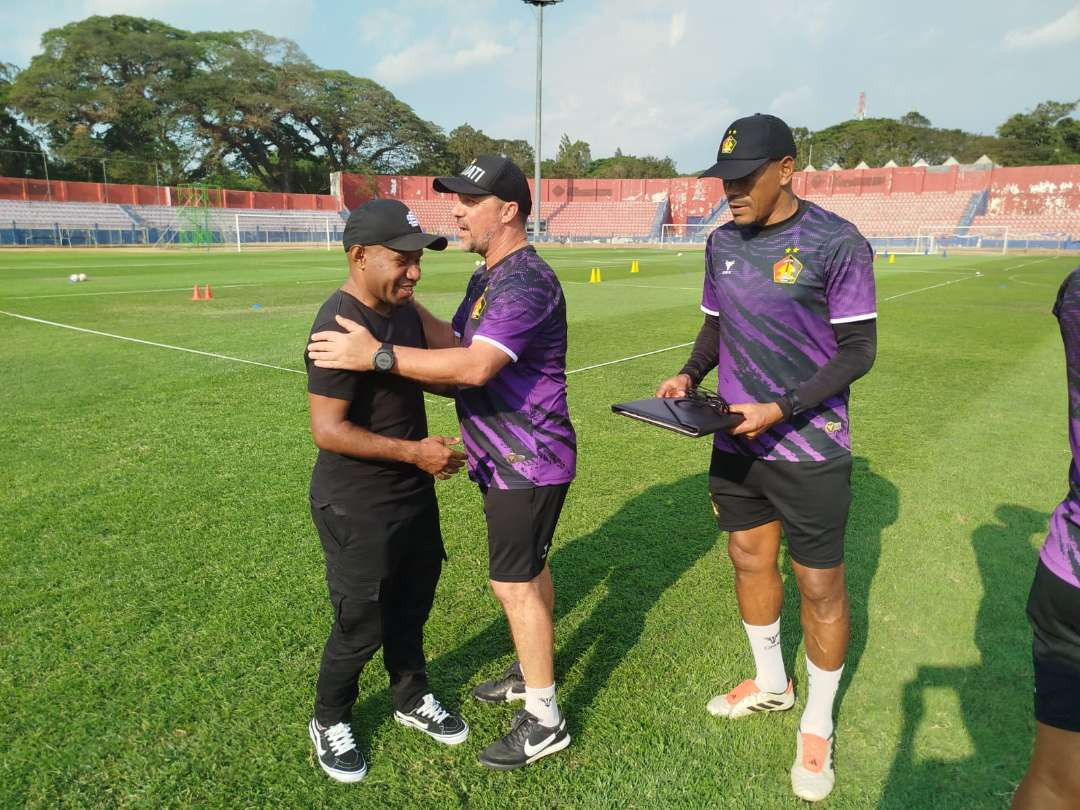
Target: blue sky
point(659, 77)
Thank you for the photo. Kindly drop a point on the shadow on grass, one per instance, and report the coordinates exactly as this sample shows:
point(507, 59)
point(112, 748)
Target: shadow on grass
point(875, 506)
point(994, 695)
point(637, 554)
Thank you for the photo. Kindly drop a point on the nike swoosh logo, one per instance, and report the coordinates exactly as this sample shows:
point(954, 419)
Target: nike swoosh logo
point(534, 749)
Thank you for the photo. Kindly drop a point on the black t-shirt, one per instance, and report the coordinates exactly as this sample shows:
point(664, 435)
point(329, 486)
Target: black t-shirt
point(381, 403)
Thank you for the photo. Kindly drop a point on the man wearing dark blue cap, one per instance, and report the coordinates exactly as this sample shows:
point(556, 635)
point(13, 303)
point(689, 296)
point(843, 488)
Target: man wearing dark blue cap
point(789, 324)
point(373, 495)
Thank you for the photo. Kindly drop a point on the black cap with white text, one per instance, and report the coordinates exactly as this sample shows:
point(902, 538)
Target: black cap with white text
point(490, 174)
point(389, 223)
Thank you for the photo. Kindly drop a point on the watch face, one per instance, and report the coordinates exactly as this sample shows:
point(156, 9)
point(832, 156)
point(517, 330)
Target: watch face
point(383, 360)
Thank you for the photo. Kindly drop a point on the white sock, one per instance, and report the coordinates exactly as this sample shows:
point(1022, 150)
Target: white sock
point(765, 645)
point(541, 703)
point(820, 694)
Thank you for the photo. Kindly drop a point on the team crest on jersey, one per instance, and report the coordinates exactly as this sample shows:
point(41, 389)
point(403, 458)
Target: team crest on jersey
point(514, 458)
point(786, 271)
point(480, 307)
point(833, 427)
point(727, 146)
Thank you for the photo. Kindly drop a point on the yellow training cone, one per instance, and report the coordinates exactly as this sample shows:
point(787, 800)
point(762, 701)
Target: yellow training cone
point(634, 266)
point(892, 258)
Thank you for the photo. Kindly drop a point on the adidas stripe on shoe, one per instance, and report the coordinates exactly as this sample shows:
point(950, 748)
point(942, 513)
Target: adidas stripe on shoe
point(746, 699)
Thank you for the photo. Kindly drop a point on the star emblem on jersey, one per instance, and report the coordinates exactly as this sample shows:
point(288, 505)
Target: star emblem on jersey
point(833, 427)
point(480, 307)
point(727, 146)
point(786, 271)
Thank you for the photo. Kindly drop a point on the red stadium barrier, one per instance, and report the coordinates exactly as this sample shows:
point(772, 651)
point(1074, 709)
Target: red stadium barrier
point(34, 190)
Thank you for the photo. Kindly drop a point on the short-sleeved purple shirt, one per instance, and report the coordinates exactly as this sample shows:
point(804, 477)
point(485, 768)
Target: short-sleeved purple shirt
point(516, 428)
point(778, 291)
point(1061, 551)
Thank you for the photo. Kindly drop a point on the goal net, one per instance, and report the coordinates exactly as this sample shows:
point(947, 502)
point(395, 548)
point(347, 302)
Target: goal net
point(266, 229)
point(967, 239)
point(697, 233)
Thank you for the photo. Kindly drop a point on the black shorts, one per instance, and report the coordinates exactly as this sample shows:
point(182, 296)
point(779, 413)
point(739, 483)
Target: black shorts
point(1054, 612)
point(810, 499)
point(521, 523)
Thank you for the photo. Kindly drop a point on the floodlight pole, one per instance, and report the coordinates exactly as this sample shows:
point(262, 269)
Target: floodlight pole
point(539, 85)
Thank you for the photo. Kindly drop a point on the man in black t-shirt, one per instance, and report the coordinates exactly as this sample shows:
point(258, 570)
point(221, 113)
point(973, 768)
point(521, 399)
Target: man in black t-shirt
point(373, 494)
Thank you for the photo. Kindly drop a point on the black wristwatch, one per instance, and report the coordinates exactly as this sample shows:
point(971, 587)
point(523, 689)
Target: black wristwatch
point(384, 360)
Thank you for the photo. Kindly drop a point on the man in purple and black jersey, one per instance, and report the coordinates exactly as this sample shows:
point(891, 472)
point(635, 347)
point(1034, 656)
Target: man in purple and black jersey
point(790, 323)
point(1053, 778)
point(505, 349)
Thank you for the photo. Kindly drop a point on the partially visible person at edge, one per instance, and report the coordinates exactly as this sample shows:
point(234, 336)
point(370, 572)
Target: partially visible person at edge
point(373, 496)
point(790, 323)
point(1053, 778)
point(506, 349)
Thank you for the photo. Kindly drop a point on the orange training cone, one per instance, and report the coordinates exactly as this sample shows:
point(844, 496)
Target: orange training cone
point(195, 294)
point(209, 293)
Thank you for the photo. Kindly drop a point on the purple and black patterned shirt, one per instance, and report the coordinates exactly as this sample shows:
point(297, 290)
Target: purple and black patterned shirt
point(778, 290)
point(1061, 551)
point(516, 428)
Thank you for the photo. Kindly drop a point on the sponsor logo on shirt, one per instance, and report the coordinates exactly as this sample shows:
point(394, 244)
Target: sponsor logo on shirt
point(786, 271)
point(728, 264)
point(480, 307)
point(832, 427)
point(727, 146)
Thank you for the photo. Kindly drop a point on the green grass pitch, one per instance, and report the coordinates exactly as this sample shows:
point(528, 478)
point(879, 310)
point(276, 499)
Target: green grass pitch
point(163, 607)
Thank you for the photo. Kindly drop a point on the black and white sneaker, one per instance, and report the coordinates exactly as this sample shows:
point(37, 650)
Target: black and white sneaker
point(431, 718)
point(527, 741)
point(337, 753)
point(504, 689)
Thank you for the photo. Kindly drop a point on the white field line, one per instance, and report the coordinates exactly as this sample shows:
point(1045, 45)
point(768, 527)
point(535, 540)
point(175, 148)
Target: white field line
point(297, 371)
point(149, 342)
point(958, 280)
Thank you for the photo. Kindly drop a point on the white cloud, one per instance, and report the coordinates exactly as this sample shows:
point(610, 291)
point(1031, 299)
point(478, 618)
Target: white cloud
point(485, 53)
point(1064, 29)
point(677, 30)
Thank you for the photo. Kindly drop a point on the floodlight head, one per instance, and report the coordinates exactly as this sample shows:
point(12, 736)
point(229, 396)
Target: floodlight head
point(541, 2)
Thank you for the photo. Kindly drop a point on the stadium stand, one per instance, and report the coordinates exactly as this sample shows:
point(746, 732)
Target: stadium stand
point(1039, 206)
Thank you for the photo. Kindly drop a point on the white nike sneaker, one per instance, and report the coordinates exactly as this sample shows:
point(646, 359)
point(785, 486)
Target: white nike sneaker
point(812, 775)
point(746, 699)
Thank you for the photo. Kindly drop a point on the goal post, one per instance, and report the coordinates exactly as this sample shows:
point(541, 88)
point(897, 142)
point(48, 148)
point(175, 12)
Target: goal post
point(903, 244)
point(968, 238)
point(272, 229)
point(685, 234)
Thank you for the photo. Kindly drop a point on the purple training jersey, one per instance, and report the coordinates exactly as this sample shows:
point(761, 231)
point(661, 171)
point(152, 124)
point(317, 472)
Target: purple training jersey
point(778, 290)
point(1061, 551)
point(517, 429)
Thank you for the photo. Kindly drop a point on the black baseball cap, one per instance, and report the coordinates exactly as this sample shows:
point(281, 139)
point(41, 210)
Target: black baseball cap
point(490, 174)
point(751, 142)
point(389, 223)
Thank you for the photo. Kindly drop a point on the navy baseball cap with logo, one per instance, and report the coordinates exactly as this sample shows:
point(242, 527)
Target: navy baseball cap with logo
point(490, 174)
point(389, 223)
point(749, 143)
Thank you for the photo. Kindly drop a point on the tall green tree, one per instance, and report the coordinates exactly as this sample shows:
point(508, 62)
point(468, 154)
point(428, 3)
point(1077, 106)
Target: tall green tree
point(1047, 134)
point(17, 142)
point(620, 166)
point(573, 159)
point(112, 87)
point(464, 143)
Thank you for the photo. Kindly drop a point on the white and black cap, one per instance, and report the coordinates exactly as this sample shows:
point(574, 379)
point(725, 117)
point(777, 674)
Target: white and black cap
point(490, 174)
